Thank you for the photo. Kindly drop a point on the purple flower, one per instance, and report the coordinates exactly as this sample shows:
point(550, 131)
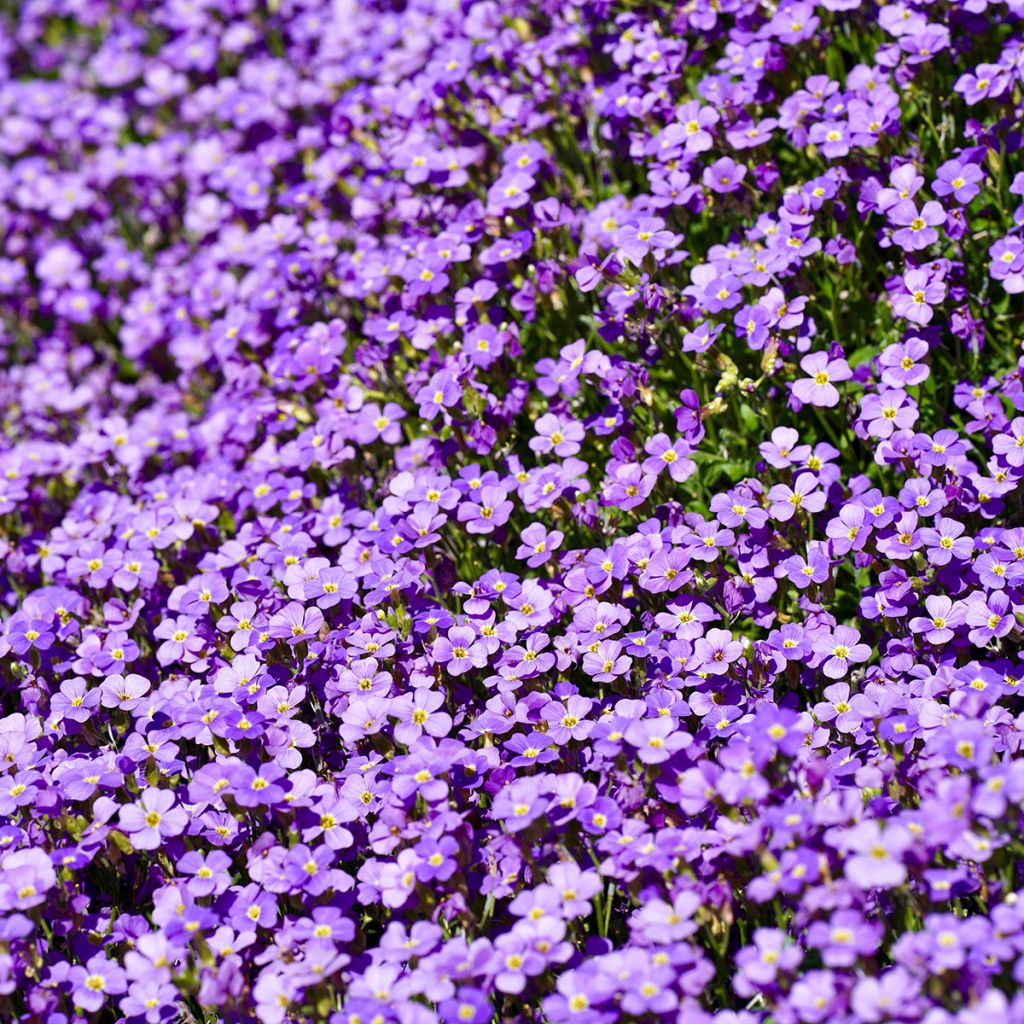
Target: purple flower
point(606, 662)
point(945, 541)
point(662, 922)
point(849, 531)
point(876, 854)
point(518, 805)
point(210, 874)
point(151, 999)
point(153, 819)
point(537, 544)
point(656, 739)
point(814, 996)
point(92, 984)
point(181, 640)
point(460, 650)
point(916, 229)
point(558, 434)
point(94, 563)
point(803, 496)
point(736, 508)
point(442, 392)
point(663, 453)
point(989, 617)
point(803, 571)
point(295, 623)
point(944, 615)
point(784, 449)
point(920, 292)
point(420, 714)
point(568, 720)
point(818, 387)
point(26, 876)
point(1007, 263)
point(901, 363)
point(888, 412)
point(694, 119)
point(467, 1006)
point(759, 965)
point(25, 634)
point(832, 137)
point(873, 998)
point(839, 707)
point(642, 236)
point(791, 642)
point(249, 787)
point(958, 179)
point(717, 650)
point(724, 175)
point(75, 701)
point(1010, 446)
point(382, 424)
point(840, 650)
point(437, 859)
point(488, 509)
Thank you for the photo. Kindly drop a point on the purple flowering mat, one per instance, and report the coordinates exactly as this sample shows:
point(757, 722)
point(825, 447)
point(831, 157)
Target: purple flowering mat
point(511, 512)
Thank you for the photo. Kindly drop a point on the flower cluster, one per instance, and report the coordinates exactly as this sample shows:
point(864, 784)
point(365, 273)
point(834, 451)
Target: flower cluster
point(511, 511)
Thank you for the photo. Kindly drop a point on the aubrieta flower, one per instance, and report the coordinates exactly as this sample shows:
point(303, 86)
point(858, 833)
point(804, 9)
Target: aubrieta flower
point(840, 650)
point(93, 983)
point(989, 618)
point(939, 625)
point(1009, 445)
point(635, 240)
point(537, 545)
point(822, 374)
point(888, 412)
point(499, 518)
point(154, 818)
point(460, 650)
point(802, 571)
point(901, 363)
point(803, 496)
point(915, 229)
point(784, 449)
point(877, 861)
point(958, 179)
point(920, 292)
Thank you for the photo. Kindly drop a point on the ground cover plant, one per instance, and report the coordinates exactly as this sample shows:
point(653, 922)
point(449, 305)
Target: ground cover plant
point(511, 511)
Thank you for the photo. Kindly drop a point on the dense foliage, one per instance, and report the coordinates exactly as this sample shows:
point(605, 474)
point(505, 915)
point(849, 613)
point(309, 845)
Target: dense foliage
point(511, 511)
